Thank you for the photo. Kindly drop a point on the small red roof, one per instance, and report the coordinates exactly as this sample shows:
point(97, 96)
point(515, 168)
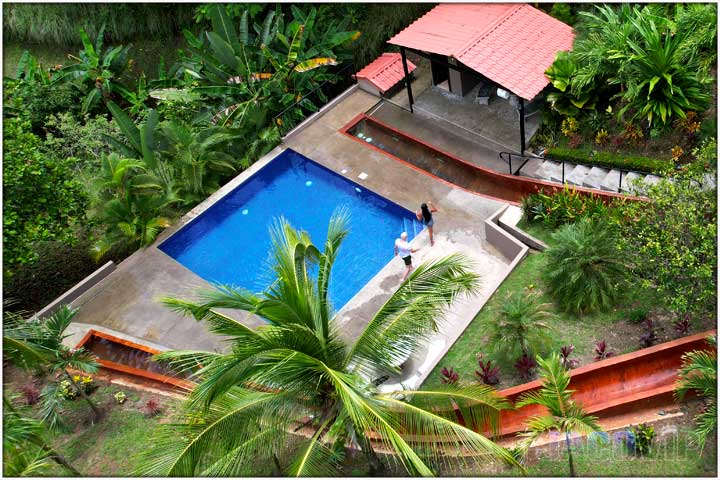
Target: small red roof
point(385, 71)
point(511, 44)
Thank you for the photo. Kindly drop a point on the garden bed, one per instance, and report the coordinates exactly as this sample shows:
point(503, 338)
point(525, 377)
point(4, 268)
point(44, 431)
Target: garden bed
point(581, 331)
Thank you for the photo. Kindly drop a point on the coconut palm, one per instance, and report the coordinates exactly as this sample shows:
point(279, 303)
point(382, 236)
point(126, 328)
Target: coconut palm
point(563, 414)
point(37, 345)
point(699, 374)
point(584, 269)
point(518, 330)
point(298, 373)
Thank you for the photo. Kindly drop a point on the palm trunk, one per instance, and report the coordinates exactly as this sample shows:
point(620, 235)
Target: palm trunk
point(569, 450)
point(377, 467)
point(95, 410)
point(59, 459)
point(278, 467)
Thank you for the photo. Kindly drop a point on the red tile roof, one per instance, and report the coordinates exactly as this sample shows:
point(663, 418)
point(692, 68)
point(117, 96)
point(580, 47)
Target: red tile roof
point(511, 44)
point(385, 71)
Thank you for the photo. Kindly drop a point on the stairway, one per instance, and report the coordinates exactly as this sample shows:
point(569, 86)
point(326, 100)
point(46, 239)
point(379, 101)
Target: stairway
point(598, 178)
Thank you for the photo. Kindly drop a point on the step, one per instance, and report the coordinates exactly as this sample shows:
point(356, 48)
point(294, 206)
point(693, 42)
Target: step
point(553, 170)
point(628, 180)
point(577, 175)
point(611, 181)
point(533, 169)
point(651, 179)
point(595, 177)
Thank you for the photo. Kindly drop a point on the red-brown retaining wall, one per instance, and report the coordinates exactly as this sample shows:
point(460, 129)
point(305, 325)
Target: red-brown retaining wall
point(118, 367)
point(515, 187)
point(615, 385)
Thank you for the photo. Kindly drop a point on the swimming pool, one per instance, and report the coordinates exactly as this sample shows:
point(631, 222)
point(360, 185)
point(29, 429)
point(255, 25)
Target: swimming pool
point(229, 243)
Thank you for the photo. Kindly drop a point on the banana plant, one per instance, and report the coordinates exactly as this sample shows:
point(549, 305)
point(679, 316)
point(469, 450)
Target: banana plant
point(96, 73)
point(140, 142)
point(269, 67)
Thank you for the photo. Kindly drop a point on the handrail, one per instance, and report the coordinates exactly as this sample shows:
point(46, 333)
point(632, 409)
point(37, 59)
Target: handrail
point(349, 67)
point(563, 162)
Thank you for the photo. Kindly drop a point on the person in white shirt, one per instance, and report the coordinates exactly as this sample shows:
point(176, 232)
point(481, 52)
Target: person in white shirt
point(403, 248)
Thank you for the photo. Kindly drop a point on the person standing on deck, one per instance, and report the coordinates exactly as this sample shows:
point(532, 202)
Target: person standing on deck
point(403, 248)
point(425, 215)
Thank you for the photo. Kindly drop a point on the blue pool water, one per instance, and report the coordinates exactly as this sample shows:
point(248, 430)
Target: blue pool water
point(230, 242)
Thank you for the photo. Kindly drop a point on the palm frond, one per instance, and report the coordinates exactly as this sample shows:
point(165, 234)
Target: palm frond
point(406, 320)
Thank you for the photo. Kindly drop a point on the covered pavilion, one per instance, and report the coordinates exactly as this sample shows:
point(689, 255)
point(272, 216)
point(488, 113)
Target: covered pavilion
point(503, 48)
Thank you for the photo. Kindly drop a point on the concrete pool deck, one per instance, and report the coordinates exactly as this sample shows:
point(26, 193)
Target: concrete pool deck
point(125, 301)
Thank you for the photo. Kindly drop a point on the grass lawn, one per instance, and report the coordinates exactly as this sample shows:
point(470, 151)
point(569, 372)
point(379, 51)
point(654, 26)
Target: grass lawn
point(582, 331)
point(670, 457)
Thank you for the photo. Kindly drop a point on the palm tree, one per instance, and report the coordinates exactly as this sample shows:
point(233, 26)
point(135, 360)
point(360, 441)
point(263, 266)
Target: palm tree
point(699, 373)
point(25, 450)
point(563, 414)
point(198, 157)
point(297, 373)
point(583, 269)
point(37, 345)
point(518, 328)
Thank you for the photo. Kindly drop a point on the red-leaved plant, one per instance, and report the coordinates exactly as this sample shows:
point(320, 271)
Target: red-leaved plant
point(648, 338)
point(488, 374)
point(31, 394)
point(565, 352)
point(152, 407)
point(449, 376)
point(525, 367)
point(682, 325)
point(601, 351)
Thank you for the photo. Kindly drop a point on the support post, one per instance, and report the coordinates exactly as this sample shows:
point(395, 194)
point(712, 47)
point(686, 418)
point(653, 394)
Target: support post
point(522, 126)
point(407, 77)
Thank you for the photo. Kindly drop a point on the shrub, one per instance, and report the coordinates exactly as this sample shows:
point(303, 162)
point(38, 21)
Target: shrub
point(449, 377)
point(638, 315)
point(566, 206)
point(648, 338)
point(525, 367)
point(152, 408)
point(31, 394)
point(488, 373)
point(602, 352)
point(563, 12)
point(583, 273)
point(643, 435)
point(517, 328)
point(610, 160)
point(43, 199)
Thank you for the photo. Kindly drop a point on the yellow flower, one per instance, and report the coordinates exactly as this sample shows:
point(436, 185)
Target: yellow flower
point(76, 378)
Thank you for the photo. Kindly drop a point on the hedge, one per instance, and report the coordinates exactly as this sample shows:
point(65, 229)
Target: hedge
point(610, 160)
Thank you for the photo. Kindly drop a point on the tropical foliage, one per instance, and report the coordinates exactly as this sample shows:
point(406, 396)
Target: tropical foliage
point(518, 329)
point(670, 242)
point(26, 452)
point(564, 414)
point(584, 270)
point(699, 374)
point(97, 74)
point(37, 345)
point(43, 200)
point(299, 372)
point(647, 57)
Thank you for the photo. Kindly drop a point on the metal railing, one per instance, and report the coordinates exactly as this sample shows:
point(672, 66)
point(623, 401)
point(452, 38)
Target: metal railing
point(314, 100)
point(525, 159)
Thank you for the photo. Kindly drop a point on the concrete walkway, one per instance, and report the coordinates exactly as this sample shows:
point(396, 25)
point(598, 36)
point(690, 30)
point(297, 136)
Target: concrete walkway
point(126, 300)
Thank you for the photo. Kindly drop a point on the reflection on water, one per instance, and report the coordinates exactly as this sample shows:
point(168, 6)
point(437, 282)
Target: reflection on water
point(132, 357)
point(430, 160)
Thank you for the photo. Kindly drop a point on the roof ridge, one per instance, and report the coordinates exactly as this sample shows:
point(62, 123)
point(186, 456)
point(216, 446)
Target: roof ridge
point(489, 29)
